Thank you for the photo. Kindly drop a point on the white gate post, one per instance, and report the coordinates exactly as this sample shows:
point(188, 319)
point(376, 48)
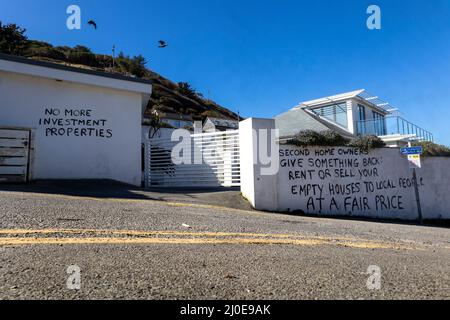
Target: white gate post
point(260, 190)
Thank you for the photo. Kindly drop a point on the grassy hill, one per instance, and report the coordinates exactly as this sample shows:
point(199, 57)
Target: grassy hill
point(167, 96)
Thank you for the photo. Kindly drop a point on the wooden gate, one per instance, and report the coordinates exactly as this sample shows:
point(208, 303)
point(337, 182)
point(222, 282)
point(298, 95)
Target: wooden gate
point(14, 155)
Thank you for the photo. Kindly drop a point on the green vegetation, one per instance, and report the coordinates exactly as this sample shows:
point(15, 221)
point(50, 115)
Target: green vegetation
point(132, 65)
point(185, 89)
point(156, 124)
point(313, 138)
point(367, 143)
point(12, 39)
point(330, 138)
point(309, 138)
point(167, 96)
point(431, 149)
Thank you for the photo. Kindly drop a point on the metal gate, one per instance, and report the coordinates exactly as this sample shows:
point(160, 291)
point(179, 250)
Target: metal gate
point(14, 155)
point(214, 161)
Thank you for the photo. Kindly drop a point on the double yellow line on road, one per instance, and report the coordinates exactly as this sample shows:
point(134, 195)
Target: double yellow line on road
point(13, 237)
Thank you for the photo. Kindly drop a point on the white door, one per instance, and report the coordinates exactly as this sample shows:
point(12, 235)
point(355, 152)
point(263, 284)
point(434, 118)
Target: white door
point(14, 155)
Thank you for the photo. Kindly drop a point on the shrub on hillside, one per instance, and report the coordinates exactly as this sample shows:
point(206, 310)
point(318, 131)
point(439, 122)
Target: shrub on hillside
point(433, 150)
point(104, 62)
point(137, 66)
point(134, 66)
point(310, 138)
point(82, 55)
point(367, 143)
point(43, 50)
point(185, 89)
point(12, 39)
point(318, 139)
point(210, 114)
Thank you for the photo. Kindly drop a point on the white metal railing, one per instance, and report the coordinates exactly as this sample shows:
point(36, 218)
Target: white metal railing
point(393, 125)
point(214, 161)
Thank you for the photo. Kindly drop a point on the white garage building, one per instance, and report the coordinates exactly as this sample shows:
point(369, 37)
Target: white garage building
point(59, 122)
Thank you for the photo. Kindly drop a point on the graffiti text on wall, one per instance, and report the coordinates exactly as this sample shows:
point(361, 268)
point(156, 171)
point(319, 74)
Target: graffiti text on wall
point(74, 123)
point(342, 180)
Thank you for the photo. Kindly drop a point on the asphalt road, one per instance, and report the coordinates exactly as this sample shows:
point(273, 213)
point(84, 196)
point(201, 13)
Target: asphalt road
point(137, 248)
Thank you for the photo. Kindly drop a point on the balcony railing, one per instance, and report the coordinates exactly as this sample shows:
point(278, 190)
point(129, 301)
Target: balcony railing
point(393, 126)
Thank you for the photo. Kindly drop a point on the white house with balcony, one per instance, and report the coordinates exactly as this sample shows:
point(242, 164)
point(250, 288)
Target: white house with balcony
point(352, 114)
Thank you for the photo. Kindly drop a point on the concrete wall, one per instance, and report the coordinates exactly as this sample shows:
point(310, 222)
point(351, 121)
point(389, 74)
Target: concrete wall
point(110, 150)
point(435, 200)
point(344, 181)
point(259, 189)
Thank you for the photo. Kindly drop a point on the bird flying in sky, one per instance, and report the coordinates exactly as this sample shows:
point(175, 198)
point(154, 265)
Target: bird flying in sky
point(92, 23)
point(162, 44)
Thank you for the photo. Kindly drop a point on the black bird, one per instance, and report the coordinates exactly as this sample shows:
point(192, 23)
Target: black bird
point(92, 23)
point(162, 44)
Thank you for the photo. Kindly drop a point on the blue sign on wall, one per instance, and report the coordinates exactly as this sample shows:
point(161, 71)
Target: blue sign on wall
point(411, 151)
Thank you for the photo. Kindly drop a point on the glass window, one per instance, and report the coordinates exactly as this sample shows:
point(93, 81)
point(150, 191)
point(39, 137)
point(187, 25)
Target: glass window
point(379, 124)
point(336, 113)
point(361, 125)
point(361, 113)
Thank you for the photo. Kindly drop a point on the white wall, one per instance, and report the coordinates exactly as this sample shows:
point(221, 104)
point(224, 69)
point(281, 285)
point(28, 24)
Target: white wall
point(24, 100)
point(330, 181)
point(352, 114)
point(344, 181)
point(259, 189)
point(248, 151)
point(435, 198)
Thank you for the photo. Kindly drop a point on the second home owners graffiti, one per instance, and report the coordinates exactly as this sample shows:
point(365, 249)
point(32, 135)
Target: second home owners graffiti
point(344, 180)
point(74, 123)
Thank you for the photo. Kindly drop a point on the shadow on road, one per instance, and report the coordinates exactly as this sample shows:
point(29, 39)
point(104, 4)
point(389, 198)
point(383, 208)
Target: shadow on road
point(108, 189)
point(79, 188)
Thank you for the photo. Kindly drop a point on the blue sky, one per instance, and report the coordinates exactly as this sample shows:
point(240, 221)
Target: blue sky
point(264, 57)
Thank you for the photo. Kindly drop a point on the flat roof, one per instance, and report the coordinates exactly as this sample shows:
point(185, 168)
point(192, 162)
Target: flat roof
point(362, 94)
point(334, 98)
point(62, 67)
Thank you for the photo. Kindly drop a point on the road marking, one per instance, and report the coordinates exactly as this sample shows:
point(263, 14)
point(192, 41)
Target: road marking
point(341, 241)
point(169, 233)
point(173, 233)
point(85, 236)
point(229, 241)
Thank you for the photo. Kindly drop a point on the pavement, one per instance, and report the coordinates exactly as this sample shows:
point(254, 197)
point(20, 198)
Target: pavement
point(130, 243)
